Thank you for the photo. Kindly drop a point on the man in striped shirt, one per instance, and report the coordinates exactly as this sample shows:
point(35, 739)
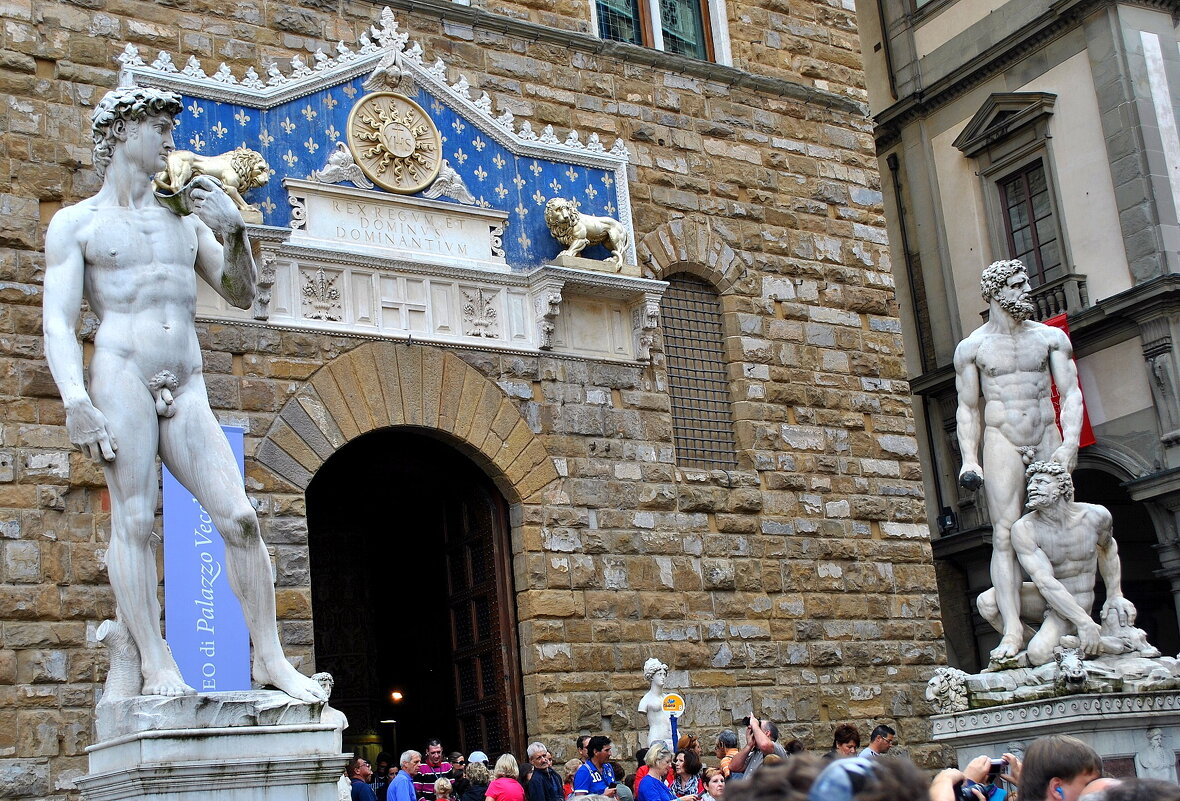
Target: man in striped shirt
point(433, 768)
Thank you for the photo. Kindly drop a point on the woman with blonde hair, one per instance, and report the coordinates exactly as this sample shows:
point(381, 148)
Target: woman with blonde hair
point(651, 788)
point(571, 767)
point(504, 786)
point(443, 789)
point(479, 779)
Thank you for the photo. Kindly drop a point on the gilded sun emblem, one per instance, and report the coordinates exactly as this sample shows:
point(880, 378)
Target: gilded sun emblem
point(395, 142)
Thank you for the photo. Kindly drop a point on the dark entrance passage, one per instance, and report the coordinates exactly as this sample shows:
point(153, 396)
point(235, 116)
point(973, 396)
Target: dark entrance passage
point(1136, 538)
point(411, 585)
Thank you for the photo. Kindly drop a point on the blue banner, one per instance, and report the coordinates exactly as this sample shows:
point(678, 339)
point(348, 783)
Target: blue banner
point(205, 626)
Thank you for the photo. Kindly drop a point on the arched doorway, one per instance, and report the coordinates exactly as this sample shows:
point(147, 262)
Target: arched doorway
point(1136, 538)
point(411, 583)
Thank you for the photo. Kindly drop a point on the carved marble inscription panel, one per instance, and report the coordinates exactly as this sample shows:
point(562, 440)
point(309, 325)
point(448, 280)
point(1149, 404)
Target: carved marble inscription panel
point(358, 220)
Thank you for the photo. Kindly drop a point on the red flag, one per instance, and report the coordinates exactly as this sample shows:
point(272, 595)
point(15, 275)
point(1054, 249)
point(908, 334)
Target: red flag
point(1087, 436)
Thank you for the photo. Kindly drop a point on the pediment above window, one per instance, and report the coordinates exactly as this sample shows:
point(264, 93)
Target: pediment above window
point(1003, 115)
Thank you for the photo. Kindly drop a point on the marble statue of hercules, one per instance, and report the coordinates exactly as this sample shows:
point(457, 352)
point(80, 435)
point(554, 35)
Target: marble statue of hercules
point(137, 263)
point(1004, 371)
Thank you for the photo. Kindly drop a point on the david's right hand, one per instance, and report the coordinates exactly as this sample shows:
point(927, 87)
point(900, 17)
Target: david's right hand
point(87, 427)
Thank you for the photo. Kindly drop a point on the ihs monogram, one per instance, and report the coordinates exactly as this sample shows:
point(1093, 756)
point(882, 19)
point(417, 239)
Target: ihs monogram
point(395, 142)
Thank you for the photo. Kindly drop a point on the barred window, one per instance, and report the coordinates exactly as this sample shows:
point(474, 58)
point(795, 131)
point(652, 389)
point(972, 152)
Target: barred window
point(620, 20)
point(702, 413)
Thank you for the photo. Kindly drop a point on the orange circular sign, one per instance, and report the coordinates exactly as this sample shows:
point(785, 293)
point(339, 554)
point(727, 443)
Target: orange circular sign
point(673, 703)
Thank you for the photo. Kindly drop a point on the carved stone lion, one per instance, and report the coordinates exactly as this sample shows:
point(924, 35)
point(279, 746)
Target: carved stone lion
point(576, 230)
point(947, 690)
point(238, 170)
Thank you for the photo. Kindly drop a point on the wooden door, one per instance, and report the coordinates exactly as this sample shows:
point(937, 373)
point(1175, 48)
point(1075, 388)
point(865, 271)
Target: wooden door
point(486, 674)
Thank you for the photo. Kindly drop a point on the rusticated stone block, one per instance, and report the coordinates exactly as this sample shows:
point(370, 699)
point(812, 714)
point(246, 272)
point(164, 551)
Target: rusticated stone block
point(24, 778)
point(550, 603)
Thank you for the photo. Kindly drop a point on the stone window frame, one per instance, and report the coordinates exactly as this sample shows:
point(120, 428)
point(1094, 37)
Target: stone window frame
point(1034, 259)
point(714, 15)
point(1009, 133)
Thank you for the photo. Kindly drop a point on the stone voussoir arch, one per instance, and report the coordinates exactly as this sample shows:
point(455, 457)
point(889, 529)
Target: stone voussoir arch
point(384, 384)
point(688, 245)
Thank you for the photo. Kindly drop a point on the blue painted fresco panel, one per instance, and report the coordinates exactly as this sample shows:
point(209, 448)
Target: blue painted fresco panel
point(296, 138)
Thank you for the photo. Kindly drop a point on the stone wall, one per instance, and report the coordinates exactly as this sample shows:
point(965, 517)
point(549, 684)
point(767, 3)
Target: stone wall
point(800, 586)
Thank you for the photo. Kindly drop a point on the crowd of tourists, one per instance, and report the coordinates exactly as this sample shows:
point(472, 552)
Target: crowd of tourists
point(1054, 768)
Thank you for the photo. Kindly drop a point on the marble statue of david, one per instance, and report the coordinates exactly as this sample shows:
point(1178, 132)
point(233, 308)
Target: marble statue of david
point(137, 263)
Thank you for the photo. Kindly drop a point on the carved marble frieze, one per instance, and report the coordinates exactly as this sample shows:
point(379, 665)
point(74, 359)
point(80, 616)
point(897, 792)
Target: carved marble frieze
point(402, 204)
point(308, 285)
point(1083, 710)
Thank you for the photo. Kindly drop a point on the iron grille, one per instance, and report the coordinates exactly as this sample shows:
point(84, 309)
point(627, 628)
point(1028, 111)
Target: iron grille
point(619, 20)
point(683, 28)
point(702, 413)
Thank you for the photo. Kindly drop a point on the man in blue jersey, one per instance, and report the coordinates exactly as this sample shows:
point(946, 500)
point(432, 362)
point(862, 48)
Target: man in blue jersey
point(596, 776)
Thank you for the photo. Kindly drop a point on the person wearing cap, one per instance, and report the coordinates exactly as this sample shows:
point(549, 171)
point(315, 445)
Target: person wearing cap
point(870, 778)
point(478, 756)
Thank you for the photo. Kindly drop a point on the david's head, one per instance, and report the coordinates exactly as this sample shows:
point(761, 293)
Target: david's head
point(120, 115)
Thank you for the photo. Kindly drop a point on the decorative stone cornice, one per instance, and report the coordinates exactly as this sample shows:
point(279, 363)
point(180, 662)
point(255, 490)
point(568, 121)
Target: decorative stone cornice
point(1023, 108)
point(1064, 17)
point(449, 11)
point(1093, 711)
point(380, 42)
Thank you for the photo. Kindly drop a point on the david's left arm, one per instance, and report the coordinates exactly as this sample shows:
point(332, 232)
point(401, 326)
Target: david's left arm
point(226, 265)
